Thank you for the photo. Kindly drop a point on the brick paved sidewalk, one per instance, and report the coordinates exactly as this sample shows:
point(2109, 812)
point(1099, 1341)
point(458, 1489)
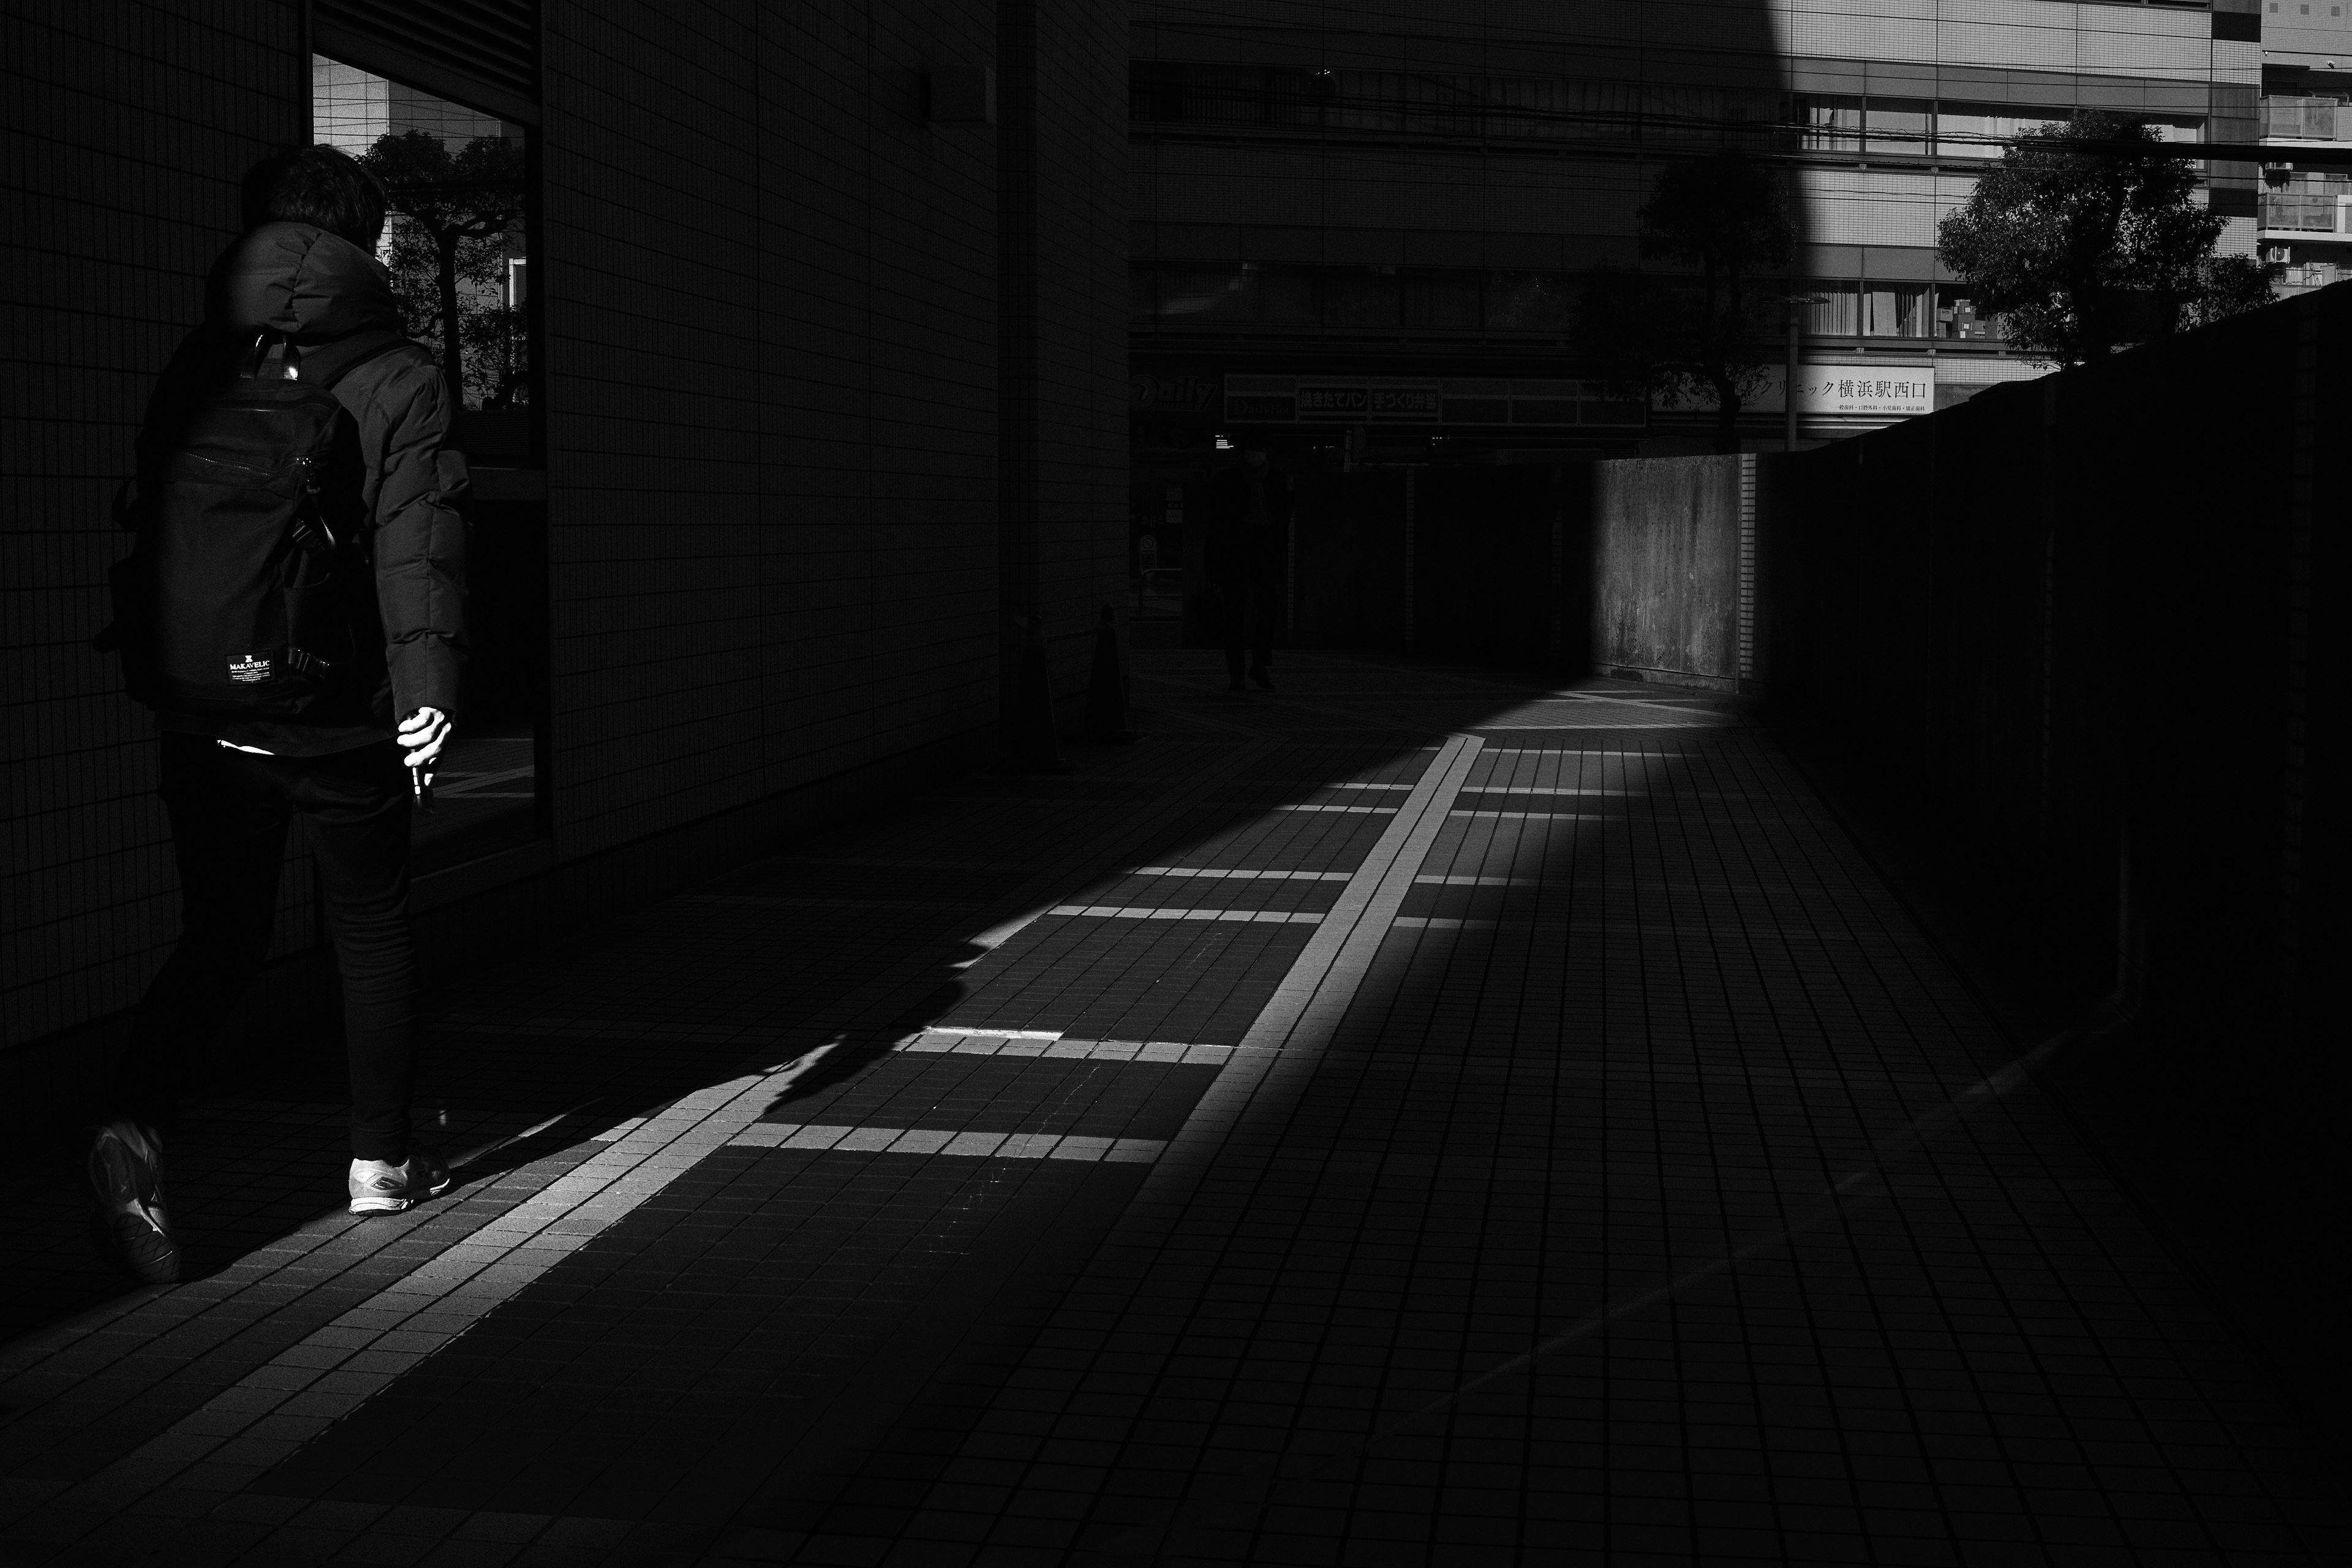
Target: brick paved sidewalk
point(1400, 1119)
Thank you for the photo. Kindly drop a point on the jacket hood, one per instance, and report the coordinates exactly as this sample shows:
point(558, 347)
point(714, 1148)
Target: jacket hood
point(304, 282)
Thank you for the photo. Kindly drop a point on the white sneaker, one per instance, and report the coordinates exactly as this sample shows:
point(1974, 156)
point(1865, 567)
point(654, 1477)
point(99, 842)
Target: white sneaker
point(380, 1188)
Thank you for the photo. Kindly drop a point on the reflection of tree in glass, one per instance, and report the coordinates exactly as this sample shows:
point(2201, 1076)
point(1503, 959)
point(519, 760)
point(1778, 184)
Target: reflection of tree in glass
point(449, 251)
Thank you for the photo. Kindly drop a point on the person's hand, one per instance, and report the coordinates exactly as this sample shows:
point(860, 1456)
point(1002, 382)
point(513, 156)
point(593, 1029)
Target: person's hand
point(423, 733)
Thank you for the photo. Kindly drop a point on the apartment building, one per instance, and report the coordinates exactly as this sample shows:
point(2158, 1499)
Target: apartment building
point(2307, 107)
point(1361, 229)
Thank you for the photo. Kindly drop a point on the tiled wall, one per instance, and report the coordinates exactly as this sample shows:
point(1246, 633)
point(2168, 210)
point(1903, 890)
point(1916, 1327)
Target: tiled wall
point(1076, 301)
point(123, 127)
point(773, 338)
point(770, 304)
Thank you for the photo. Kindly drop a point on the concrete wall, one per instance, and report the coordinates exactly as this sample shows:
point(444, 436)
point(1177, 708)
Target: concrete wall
point(2070, 647)
point(1668, 551)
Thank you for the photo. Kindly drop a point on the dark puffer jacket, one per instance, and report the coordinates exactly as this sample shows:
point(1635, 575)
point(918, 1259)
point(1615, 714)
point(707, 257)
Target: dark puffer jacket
point(320, 291)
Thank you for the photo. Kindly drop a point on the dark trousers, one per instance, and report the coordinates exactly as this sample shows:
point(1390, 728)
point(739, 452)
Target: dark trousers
point(229, 812)
point(1247, 617)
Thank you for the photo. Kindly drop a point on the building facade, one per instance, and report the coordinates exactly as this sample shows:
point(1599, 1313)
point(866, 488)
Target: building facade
point(1362, 229)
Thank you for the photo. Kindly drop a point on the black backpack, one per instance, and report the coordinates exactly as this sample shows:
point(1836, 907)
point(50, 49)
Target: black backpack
point(248, 593)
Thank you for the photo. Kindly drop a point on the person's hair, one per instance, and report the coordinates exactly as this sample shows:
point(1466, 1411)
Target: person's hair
point(319, 186)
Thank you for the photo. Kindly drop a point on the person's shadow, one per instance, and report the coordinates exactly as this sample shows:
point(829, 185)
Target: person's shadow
point(264, 1155)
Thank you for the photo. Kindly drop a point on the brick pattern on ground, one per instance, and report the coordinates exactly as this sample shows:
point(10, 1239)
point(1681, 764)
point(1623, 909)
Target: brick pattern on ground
point(1581, 1158)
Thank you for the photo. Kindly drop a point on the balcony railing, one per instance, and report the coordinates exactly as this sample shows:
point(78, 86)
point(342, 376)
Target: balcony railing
point(2305, 213)
point(2306, 119)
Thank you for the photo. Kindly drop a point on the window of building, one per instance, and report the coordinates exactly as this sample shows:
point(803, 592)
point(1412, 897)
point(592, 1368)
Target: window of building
point(457, 246)
point(1700, 115)
point(1834, 310)
point(1366, 100)
point(1289, 296)
point(1441, 103)
point(1360, 296)
point(1458, 104)
point(1980, 130)
point(1897, 125)
point(1443, 301)
point(1207, 294)
point(1237, 96)
point(1895, 310)
point(1527, 302)
point(2173, 127)
point(1956, 317)
point(457, 243)
point(1829, 124)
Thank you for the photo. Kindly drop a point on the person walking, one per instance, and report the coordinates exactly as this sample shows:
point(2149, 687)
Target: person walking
point(1241, 559)
point(300, 296)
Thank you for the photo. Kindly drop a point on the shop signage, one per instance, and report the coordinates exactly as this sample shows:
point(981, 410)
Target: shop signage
point(1170, 393)
point(1888, 391)
point(1858, 390)
point(1369, 399)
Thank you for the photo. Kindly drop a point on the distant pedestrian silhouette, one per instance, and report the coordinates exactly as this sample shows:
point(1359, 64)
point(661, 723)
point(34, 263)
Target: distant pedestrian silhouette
point(1241, 559)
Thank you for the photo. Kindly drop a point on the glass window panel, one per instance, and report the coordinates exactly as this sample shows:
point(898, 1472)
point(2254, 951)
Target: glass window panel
point(1207, 294)
point(1834, 312)
point(1527, 302)
point(1286, 295)
point(1156, 91)
point(348, 107)
point(1293, 97)
point(458, 187)
point(1970, 131)
point(1224, 95)
point(1764, 302)
point(1443, 300)
point(1359, 297)
point(457, 245)
point(1829, 124)
point(1606, 110)
point(1979, 129)
point(1956, 317)
point(1552, 107)
point(1368, 100)
point(1895, 310)
point(1682, 113)
point(1442, 105)
point(1141, 293)
point(1897, 125)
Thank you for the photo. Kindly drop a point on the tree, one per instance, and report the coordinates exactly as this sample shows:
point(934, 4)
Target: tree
point(1701, 339)
point(449, 251)
point(2082, 251)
